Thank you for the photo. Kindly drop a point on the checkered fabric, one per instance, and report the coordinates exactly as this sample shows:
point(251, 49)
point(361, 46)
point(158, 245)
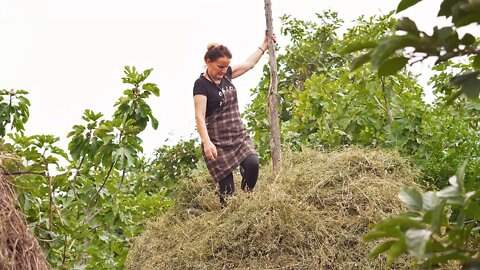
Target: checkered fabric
point(229, 135)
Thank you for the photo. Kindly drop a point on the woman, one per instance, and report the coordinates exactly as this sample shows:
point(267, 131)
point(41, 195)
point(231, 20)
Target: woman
point(225, 141)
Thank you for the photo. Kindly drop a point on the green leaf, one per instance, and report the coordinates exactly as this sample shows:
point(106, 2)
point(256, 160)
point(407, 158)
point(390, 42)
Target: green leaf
point(460, 79)
point(124, 157)
point(436, 217)
point(407, 25)
point(392, 66)
point(460, 177)
point(448, 192)
point(445, 257)
point(430, 200)
point(390, 45)
point(154, 122)
point(468, 39)
point(476, 62)
point(383, 247)
point(359, 61)
point(384, 233)
point(152, 88)
point(473, 210)
point(397, 249)
point(400, 221)
point(416, 241)
point(445, 32)
point(404, 4)
point(471, 88)
point(412, 198)
point(468, 19)
point(358, 46)
point(446, 8)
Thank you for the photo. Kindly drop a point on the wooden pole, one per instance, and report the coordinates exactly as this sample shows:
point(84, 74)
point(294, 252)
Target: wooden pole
point(275, 146)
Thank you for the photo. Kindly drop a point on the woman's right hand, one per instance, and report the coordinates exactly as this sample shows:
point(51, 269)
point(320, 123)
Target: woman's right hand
point(210, 150)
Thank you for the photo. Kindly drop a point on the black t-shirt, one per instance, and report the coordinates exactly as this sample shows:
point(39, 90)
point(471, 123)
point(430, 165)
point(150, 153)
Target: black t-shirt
point(212, 91)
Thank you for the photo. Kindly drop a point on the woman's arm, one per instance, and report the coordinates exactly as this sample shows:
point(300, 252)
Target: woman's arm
point(200, 110)
point(251, 61)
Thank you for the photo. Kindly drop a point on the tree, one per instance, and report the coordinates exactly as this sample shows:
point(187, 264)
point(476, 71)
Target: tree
point(416, 45)
point(440, 226)
point(272, 95)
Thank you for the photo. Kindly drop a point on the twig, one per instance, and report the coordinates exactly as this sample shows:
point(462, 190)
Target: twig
point(25, 172)
point(385, 98)
point(111, 198)
point(101, 187)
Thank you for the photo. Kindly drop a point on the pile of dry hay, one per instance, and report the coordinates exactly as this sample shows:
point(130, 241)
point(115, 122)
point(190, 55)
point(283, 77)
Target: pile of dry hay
point(18, 247)
point(312, 217)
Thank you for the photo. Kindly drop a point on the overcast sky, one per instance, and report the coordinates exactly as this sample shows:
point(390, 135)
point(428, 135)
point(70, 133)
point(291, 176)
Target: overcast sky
point(70, 54)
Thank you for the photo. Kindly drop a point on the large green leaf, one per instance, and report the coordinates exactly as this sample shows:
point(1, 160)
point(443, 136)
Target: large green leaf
point(416, 241)
point(404, 4)
point(468, 39)
point(412, 198)
point(473, 210)
point(471, 88)
point(392, 66)
point(397, 249)
point(461, 78)
point(380, 248)
point(476, 62)
point(390, 232)
point(359, 61)
point(430, 200)
point(446, 8)
point(390, 45)
point(402, 221)
point(152, 88)
point(407, 25)
point(358, 46)
point(449, 192)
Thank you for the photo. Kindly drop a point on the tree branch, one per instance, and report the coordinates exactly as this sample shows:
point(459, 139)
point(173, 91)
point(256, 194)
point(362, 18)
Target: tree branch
point(113, 196)
point(385, 98)
point(102, 186)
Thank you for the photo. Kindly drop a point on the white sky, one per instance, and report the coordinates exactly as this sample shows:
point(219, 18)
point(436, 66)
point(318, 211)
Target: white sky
point(70, 54)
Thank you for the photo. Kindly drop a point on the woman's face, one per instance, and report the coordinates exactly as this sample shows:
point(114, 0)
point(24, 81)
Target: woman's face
point(218, 68)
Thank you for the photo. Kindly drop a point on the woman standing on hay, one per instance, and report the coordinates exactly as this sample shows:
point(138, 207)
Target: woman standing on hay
point(225, 142)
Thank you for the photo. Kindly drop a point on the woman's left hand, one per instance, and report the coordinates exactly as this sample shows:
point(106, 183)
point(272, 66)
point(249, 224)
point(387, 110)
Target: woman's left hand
point(265, 41)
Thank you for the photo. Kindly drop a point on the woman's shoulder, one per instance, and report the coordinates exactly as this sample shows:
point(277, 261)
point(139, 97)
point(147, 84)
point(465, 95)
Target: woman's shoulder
point(200, 80)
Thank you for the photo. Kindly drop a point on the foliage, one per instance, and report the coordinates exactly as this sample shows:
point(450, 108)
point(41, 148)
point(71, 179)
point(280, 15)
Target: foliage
point(328, 105)
point(169, 164)
point(13, 110)
point(443, 44)
point(440, 226)
point(85, 212)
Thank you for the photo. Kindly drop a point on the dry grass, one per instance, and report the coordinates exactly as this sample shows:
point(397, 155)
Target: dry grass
point(312, 217)
point(18, 247)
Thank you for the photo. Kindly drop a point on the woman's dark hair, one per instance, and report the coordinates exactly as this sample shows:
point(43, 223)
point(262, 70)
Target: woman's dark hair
point(215, 51)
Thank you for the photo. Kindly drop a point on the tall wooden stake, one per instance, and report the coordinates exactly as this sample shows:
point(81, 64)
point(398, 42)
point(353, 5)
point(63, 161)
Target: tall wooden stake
point(275, 146)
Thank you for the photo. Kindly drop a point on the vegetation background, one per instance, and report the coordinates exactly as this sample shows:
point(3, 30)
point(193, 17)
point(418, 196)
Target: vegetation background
point(337, 88)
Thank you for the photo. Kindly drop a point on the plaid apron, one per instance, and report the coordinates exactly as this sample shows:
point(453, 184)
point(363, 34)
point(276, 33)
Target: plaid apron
point(229, 135)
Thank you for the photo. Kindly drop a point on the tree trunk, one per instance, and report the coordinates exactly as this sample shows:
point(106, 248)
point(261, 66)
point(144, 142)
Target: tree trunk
point(272, 95)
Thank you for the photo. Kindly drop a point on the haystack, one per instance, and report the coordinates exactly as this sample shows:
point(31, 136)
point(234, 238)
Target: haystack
point(19, 250)
point(312, 217)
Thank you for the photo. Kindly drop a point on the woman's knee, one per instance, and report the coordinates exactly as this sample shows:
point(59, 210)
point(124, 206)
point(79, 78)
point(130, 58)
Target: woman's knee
point(251, 163)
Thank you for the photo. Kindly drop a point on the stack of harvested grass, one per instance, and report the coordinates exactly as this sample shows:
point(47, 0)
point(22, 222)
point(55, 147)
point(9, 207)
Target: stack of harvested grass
point(18, 247)
point(312, 217)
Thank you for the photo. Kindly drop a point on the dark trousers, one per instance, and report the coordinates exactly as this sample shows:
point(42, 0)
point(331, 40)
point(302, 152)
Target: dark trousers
point(248, 170)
